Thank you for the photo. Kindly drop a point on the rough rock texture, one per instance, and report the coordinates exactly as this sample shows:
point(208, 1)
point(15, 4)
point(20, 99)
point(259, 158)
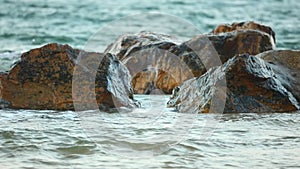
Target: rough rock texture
point(240, 42)
point(158, 69)
point(206, 51)
point(150, 62)
point(286, 65)
point(43, 80)
point(154, 82)
point(146, 55)
point(244, 26)
point(251, 86)
point(130, 43)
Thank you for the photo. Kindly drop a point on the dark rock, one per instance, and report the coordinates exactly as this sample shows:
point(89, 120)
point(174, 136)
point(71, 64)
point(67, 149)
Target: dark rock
point(286, 65)
point(251, 86)
point(44, 76)
point(150, 62)
point(147, 55)
point(130, 43)
point(229, 44)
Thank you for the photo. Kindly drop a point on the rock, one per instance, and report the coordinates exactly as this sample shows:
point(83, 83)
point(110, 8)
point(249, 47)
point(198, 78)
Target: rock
point(109, 78)
point(43, 80)
point(148, 54)
point(130, 43)
point(251, 87)
point(240, 42)
point(151, 64)
point(244, 26)
point(153, 82)
point(212, 50)
point(286, 65)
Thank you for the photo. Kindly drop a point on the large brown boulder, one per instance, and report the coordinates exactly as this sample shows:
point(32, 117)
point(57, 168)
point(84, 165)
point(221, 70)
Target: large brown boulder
point(157, 61)
point(251, 87)
point(44, 76)
point(244, 26)
point(286, 65)
point(230, 44)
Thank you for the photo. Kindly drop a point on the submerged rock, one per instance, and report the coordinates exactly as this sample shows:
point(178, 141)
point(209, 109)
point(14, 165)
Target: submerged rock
point(286, 65)
point(43, 80)
point(251, 87)
point(244, 26)
point(158, 61)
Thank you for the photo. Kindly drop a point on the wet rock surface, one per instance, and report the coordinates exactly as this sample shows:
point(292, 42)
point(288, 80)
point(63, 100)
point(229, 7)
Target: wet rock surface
point(43, 80)
point(244, 26)
point(154, 82)
point(240, 42)
point(130, 43)
point(251, 87)
point(152, 65)
point(233, 69)
point(286, 65)
point(148, 53)
point(157, 69)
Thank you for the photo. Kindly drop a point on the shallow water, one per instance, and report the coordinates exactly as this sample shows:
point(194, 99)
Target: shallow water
point(49, 139)
point(152, 136)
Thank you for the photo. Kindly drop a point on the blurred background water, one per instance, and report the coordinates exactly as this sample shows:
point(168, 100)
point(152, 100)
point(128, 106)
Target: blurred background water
point(26, 24)
point(30, 23)
point(49, 139)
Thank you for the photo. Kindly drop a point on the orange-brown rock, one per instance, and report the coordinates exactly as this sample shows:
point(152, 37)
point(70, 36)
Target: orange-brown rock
point(150, 62)
point(147, 54)
point(206, 51)
point(244, 26)
point(44, 76)
point(153, 82)
point(249, 86)
point(286, 65)
point(154, 68)
point(240, 42)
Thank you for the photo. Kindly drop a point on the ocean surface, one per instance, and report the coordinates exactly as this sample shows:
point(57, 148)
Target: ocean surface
point(152, 136)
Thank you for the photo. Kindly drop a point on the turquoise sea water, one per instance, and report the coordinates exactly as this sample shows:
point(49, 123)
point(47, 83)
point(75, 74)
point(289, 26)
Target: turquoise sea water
point(30, 23)
point(152, 136)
